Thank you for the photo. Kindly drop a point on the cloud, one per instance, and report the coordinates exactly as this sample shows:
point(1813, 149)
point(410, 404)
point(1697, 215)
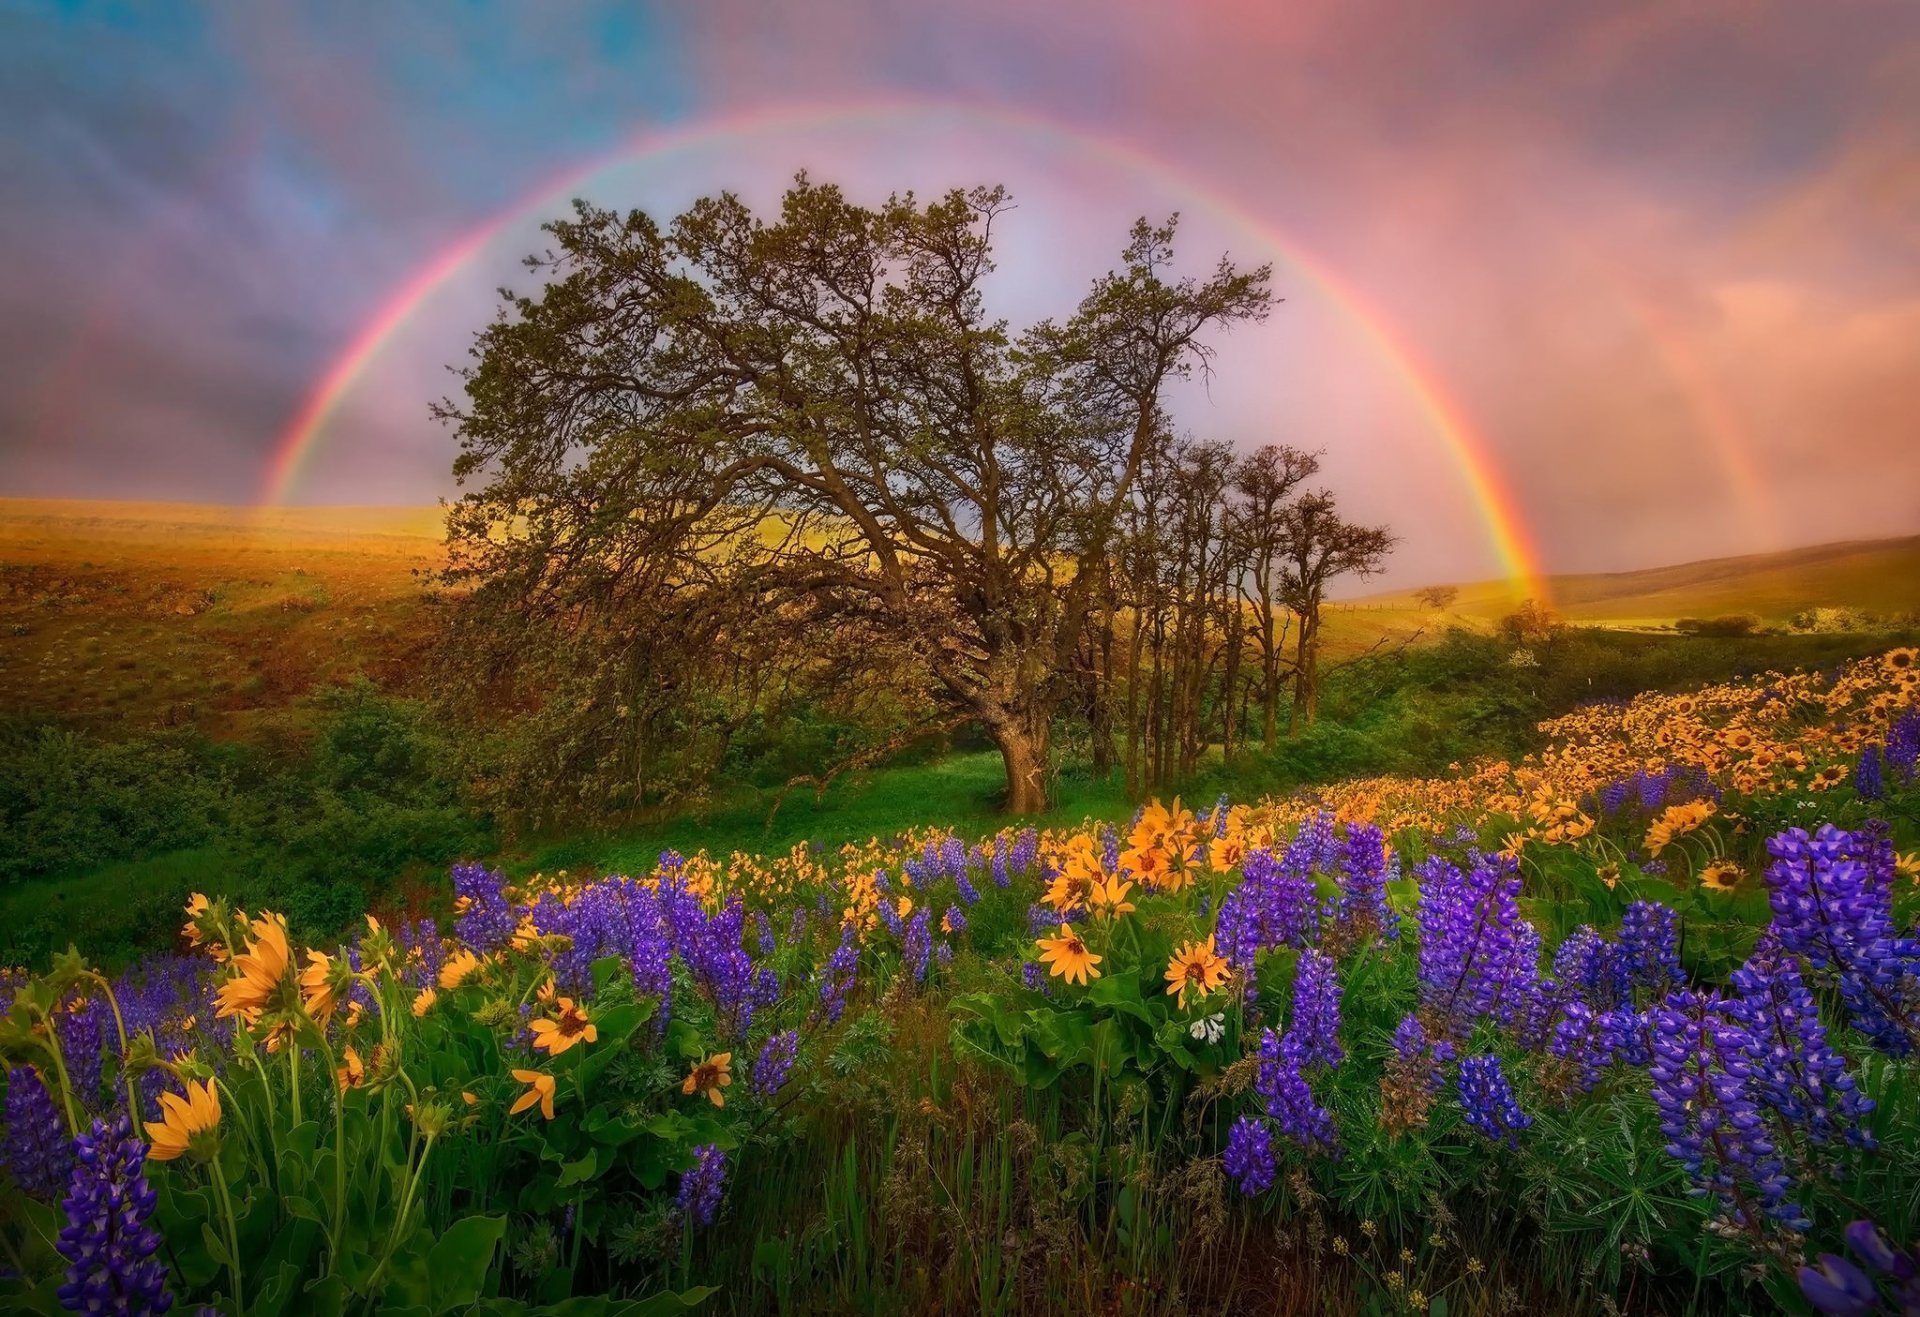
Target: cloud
point(1665, 259)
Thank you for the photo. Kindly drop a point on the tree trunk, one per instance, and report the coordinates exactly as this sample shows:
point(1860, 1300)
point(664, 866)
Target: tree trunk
point(1025, 755)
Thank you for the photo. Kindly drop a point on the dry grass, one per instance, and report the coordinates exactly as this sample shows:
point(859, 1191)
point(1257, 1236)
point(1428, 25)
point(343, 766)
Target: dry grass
point(136, 615)
point(128, 616)
point(1880, 576)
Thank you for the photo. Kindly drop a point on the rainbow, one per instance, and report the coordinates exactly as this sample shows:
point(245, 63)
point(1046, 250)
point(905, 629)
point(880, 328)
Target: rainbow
point(1509, 535)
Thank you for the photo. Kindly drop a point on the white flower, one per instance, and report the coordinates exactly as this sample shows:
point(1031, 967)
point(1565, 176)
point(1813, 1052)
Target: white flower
point(1209, 1027)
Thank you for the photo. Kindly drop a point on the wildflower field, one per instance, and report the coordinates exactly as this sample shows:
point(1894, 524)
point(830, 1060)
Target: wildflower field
point(1629, 1025)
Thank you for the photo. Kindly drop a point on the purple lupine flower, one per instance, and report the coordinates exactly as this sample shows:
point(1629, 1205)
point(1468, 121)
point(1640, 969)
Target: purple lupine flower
point(1315, 1027)
point(916, 947)
point(35, 1150)
point(1584, 1039)
point(83, 1043)
point(1249, 1156)
point(1796, 1073)
point(953, 858)
point(1363, 908)
point(967, 892)
point(1477, 955)
point(1593, 967)
point(1832, 902)
point(1841, 1289)
point(1045, 919)
point(836, 981)
point(701, 1185)
point(487, 920)
point(1289, 1099)
point(1110, 846)
point(1869, 776)
point(1274, 905)
point(1487, 1101)
point(1708, 1112)
point(774, 1065)
point(1650, 946)
point(763, 928)
point(1903, 745)
point(1001, 878)
point(1026, 849)
point(954, 920)
point(1035, 978)
point(109, 1242)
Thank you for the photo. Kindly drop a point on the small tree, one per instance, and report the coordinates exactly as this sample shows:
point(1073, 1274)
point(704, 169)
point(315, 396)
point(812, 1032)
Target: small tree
point(1320, 547)
point(813, 417)
point(1439, 598)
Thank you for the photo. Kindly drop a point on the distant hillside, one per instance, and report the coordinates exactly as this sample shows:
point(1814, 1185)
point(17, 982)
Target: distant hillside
point(1879, 576)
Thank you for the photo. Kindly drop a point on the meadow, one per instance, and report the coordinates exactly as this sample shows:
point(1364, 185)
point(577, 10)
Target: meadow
point(1580, 984)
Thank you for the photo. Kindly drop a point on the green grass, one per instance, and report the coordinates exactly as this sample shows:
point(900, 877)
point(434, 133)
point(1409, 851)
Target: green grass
point(961, 791)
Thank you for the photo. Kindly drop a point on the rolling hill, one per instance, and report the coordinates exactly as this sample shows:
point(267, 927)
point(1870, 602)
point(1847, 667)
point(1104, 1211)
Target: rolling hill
point(1878, 576)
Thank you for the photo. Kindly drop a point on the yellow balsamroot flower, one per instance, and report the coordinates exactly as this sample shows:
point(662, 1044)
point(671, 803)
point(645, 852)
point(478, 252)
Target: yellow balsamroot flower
point(1069, 889)
point(1720, 876)
point(320, 986)
point(712, 1074)
point(183, 1121)
point(352, 1072)
point(423, 1001)
point(539, 1089)
point(1908, 864)
point(1067, 956)
point(457, 967)
point(1196, 967)
point(1108, 899)
point(1226, 853)
point(261, 968)
point(556, 1036)
point(1676, 821)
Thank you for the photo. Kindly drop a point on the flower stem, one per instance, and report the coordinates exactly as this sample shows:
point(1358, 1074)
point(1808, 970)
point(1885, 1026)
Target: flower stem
point(233, 1238)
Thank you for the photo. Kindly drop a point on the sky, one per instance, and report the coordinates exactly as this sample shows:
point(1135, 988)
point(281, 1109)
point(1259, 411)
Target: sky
point(1574, 287)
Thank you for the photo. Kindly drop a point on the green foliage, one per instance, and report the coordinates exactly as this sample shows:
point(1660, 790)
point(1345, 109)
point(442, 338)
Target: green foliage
point(68, 801)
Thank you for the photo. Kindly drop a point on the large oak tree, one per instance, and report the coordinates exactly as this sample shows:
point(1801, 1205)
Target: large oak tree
point(815, 416)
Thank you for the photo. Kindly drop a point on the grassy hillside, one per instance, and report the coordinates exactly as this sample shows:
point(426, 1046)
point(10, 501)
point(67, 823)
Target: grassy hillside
point(1880, 576)
point(130, 615)
point(221, 620)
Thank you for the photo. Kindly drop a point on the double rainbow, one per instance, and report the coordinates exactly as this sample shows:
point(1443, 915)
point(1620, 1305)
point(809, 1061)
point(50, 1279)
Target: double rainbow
point(1508, 533)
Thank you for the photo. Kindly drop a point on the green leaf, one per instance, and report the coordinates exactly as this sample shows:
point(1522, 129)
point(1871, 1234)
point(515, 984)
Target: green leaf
point(461, 1259)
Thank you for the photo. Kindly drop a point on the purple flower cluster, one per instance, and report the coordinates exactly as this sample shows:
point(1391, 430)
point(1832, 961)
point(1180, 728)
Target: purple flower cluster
point(1869, 775)
point(1362, 908)
point(1477, 955)
point(1832, 899)
point(836, 980)
point(109, 1242)
point(1586, 1040)
point(1840, 1289)
point(35, 1150)
point(1647, 792)
point(1794, 1070)
point(916, 946)
point(1249, 1156)
point(487, 919)
point(1487, 1101)
point(1313, 1032)
point(82, 1031)
point(1275, 905)
point(774, 1064)
point(701, 1186)
point(1650, 946)
point(1710, 1114)
point(1288, 1098)
point(1903, 745)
